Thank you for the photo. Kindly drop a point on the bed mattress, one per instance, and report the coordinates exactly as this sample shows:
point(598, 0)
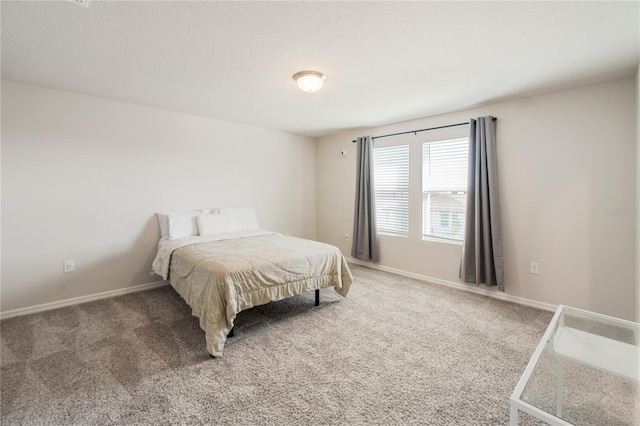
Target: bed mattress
point(218, 279)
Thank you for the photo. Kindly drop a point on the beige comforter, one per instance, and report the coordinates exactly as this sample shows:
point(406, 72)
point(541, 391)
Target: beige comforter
point(218, 279)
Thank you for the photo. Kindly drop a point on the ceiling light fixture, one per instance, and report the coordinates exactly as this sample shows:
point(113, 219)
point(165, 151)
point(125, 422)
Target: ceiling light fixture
point(309, 81)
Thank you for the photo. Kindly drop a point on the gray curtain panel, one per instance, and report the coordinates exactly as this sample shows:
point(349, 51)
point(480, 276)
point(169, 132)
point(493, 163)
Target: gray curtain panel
point(365, 235)
point(482, 259)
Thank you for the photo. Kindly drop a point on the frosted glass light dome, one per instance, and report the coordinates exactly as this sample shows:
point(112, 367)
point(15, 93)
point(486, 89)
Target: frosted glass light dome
point(309, 81)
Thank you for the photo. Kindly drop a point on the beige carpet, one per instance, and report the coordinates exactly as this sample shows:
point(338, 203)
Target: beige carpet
point(395, 351)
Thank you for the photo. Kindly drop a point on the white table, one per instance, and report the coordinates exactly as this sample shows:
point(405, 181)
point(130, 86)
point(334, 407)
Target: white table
point(585, 370)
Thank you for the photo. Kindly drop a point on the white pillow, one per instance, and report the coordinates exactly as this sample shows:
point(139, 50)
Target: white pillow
point(163, 219)
point(218, 223)
point(182, 225)
point(245, 217)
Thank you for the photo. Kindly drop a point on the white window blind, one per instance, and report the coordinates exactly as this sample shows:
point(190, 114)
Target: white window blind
point(444, 188)
point(391, 186)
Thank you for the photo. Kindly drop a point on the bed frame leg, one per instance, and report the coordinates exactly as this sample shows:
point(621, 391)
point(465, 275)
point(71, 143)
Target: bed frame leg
point(231, 332)
point(317, 297)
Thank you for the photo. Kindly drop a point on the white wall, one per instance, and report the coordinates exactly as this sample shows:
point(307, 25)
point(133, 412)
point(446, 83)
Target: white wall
point(567, 166)
point(82, 178)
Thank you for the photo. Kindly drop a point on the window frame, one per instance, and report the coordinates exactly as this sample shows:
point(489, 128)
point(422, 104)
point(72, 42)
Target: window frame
point(388, 231)
point(423, 193)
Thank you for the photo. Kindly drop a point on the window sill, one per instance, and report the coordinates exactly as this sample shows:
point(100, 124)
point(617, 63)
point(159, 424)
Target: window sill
point(442, 240)
point(389, 234)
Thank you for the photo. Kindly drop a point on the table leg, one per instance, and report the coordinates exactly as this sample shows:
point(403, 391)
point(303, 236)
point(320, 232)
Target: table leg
point(559, 388)
point(514, 417)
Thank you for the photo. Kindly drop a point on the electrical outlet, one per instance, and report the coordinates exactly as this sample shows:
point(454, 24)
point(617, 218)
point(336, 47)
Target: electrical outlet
point(68, 266)
point(534, 268)
point(84, 3)
point(346, 237)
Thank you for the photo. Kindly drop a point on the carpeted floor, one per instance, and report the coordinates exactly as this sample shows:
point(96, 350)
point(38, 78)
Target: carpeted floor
point(395, 351)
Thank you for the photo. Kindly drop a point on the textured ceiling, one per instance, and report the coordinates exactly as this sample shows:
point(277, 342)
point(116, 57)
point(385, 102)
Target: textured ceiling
point(386, 61)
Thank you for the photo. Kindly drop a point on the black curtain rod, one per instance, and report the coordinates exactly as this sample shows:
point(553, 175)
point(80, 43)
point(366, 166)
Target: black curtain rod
point(422, 130)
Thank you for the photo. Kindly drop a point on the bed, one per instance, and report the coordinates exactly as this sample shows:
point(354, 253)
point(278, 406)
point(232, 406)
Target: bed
point(234, 265)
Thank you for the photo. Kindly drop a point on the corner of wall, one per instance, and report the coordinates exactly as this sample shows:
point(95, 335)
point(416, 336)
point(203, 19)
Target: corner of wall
point(638, 194)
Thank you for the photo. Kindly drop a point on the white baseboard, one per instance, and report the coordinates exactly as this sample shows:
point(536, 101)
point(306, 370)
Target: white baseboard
point(493, 292)
point(78, 300)
point(112, 293)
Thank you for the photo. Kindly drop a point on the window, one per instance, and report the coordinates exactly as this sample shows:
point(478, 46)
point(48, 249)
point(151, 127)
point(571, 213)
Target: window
point(444, 188)
point(391, 186)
